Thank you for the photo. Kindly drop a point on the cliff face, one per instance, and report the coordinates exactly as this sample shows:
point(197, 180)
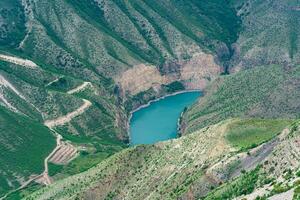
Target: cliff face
point(195, 73)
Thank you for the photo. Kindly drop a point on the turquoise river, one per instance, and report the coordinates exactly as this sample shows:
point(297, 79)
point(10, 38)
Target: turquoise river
point(159, 120)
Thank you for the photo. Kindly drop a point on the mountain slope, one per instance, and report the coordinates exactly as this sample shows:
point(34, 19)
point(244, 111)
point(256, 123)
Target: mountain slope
point(266, 91)
point(79, 67)
point(269, 34)
point(72, 63)
point(180, 168)
point(21, 139)
point(12, 24)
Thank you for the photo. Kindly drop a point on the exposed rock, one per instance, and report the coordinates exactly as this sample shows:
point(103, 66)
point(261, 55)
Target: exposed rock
point(194, 74)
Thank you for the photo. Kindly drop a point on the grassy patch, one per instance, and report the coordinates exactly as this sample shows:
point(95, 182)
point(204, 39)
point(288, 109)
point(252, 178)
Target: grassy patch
point(54, 168)
point(249, 133)
point(297, 193)
point(279, 188)
point(84, 162)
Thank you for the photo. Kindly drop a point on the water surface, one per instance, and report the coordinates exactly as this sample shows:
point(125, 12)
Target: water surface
point(158, 121)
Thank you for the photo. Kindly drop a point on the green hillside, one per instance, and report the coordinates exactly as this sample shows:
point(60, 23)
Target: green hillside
point(266, 92)
point(74, 42)
point(79, 67)
point(12, 24)
point(269, 33)
point(22, 139)
point(170, 170)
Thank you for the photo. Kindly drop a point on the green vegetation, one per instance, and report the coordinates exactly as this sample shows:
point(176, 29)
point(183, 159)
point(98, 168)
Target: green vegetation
point(54, 168)
point(247, 134)
point(257, 92)
point(174, 87)
point(19, 194)
point(296, 193)
point(64, 84)
point(180, 168)
point(140, 99)
point(21, 139)
point(75, 41)
point(120, 172)
point(82, 163)
point(243, 185)
point(279, 188)
point(217, 19)
point(12, 24)
point(268, 35)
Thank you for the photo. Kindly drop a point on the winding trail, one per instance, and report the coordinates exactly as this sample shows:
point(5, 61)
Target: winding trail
point(45, 174)
point(67, 118)
point(56, 122)
point(44, 178)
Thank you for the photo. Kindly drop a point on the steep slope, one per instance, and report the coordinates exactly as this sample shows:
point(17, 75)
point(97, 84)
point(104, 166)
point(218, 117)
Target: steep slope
point(266, 91)
point(181, 168)
point(12, 24)
point(43, 97)
point(21, 139)
point(78, 67)
point(269, 33)
point(164, 37)
point(277, 177)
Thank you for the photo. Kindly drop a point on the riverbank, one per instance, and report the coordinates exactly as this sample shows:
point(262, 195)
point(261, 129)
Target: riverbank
point(155, 100)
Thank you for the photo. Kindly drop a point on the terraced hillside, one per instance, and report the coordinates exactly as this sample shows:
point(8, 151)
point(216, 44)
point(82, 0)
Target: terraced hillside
point(183, 168)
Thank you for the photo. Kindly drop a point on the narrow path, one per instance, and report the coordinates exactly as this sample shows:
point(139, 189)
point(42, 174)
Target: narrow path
point(22, 186)
point(18, 61)
point(44, 177)
point(57, 79)
point(79, 88)
point(45, 174)
point(56, 122)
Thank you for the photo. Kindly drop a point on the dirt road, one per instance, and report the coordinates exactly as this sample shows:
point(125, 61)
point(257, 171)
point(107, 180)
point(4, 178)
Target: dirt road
point(79, 88)
point(67, 118)
point(18, 61)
